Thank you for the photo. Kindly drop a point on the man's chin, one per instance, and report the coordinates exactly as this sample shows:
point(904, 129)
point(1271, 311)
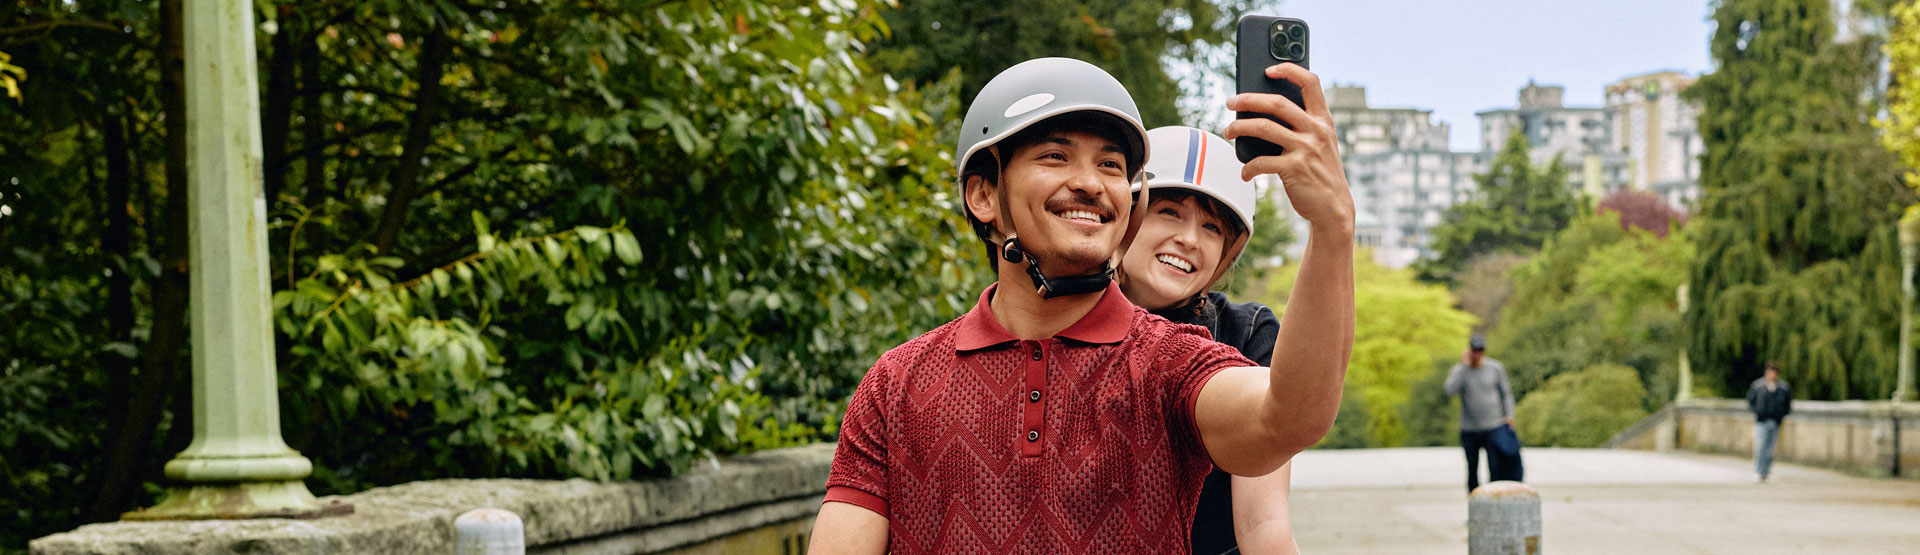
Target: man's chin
point(1074, 265)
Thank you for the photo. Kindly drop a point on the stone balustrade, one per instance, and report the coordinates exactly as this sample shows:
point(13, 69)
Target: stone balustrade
point(757, 503)
point(1874, 438)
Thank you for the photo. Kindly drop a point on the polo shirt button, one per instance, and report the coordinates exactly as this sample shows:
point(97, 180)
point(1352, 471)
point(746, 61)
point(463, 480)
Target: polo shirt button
point(1033, 436)
point(1034, 396)
point(1036, 354)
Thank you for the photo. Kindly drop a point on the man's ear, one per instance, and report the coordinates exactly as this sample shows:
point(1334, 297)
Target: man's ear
point(982, 199)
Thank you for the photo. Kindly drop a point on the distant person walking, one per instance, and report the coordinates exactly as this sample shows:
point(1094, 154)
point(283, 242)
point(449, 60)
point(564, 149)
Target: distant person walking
point(1486, 414)
point(1770, 399)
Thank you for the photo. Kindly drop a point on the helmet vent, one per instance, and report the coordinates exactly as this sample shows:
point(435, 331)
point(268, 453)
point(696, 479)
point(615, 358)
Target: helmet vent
point(1030, 103)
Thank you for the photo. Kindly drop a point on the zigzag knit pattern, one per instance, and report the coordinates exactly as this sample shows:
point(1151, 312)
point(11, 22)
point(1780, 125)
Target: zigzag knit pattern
point(938, 441)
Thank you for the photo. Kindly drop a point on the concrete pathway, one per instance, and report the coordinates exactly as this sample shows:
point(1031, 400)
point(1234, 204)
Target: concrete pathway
point(1601, 501)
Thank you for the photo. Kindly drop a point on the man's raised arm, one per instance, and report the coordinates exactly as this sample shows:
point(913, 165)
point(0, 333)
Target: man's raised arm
point(1255, 419)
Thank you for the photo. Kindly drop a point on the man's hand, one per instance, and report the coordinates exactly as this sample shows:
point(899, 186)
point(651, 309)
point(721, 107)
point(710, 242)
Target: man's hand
point(1310, 166)
point(1508, 420)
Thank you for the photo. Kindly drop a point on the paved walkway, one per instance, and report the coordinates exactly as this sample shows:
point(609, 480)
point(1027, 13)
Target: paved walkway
point(1601, 501)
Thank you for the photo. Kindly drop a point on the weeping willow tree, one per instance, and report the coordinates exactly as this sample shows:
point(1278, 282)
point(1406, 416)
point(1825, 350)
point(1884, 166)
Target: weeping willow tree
point(1797, 259)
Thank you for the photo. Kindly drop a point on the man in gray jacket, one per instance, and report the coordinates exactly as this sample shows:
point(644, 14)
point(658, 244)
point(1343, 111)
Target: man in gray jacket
point(1486, 406)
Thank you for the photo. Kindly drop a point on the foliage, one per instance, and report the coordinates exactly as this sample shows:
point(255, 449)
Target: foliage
point(1431, 416)
point(10, 76)
point(1402, 326)
point(1642, 209)
point(1483, 288)
point(1515, 208)
point(1600, 292)
point(1581, 409)
point(1797, 256)
point(1273, 231)
point(599, 239)
point(1135, 41)
point(1901, 125)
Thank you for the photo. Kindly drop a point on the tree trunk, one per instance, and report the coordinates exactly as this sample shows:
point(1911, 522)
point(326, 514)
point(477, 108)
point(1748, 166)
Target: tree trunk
point(432, 63)
point(313, 131)
point(276, 110)
point(117, 240)
point(129, 453)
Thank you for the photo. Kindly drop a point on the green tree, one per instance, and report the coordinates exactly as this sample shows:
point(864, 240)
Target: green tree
point(1901, 125)
point(1483, 287)
point(1797, 256)
point(1601, 291)
point(1135, 41)
point(520, 239)
point(1515, 209)
point(1431, 416)
point(1403, 326)
point(1581, 409)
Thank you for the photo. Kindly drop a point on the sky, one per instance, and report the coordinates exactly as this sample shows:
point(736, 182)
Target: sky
point(1457, 57)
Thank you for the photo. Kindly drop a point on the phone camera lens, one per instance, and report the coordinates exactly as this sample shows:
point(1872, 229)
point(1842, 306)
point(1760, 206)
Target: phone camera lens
point(1297, 32)
point(1297, 50)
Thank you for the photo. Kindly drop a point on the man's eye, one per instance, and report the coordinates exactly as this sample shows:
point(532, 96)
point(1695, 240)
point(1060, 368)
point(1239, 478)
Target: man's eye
point(1054, 155)
point(1110, 164)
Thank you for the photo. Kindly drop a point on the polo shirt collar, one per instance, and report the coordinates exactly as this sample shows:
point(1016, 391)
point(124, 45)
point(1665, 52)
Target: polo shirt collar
point(1107, 323)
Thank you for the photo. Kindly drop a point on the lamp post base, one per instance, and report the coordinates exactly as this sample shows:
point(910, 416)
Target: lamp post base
point(287, 499)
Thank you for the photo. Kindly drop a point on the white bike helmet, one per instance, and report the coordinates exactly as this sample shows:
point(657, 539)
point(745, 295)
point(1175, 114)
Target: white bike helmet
point(1034, 91)
point(1204, 163)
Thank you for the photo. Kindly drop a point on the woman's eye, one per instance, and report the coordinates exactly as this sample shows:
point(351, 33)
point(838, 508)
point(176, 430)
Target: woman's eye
point(1212, 228)
point(1170, 212)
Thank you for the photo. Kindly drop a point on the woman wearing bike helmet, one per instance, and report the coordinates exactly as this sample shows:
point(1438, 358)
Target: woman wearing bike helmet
point(1197, 223)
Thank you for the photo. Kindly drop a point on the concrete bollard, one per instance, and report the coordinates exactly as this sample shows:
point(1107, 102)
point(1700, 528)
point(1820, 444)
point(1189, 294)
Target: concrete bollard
point(1503, 518)
point(490, 532)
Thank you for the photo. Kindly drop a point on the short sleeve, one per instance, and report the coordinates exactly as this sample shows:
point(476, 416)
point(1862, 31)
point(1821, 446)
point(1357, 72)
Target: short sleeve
point(860, 464)
point(1192, 360)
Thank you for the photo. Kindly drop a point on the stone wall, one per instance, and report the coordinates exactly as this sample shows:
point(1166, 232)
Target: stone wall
point(758, 503)
point(1876, 438)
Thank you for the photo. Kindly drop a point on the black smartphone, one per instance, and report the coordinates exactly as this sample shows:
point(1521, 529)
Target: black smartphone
point(1264, 41)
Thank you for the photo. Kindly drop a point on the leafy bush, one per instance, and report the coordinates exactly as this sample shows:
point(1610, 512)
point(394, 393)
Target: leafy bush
point(1581, 409)
point(1597, 293)
point(1431, 417)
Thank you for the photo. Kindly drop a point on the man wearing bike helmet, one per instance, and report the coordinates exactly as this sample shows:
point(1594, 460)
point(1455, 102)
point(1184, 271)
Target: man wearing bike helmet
point(1056, 416)
point(1196, 225)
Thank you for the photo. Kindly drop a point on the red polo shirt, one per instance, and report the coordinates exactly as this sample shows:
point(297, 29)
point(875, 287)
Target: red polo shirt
point(972, 441)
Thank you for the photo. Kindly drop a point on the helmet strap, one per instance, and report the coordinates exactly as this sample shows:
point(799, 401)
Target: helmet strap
point(1056, 287)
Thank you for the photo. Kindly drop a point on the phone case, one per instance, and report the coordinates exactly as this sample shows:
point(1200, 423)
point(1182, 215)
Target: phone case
point(1255, 54)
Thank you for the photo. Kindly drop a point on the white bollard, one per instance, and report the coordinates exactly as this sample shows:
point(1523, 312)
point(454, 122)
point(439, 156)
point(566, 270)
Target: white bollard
point(1503, 518)
point(490, 532)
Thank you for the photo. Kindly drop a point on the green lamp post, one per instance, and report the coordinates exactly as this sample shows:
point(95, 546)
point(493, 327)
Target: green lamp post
point(1909, 251)
point(237, 465)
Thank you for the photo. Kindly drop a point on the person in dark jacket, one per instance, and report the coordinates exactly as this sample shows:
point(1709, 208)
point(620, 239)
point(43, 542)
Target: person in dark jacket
point(1198, 221)
point(1770, 399)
